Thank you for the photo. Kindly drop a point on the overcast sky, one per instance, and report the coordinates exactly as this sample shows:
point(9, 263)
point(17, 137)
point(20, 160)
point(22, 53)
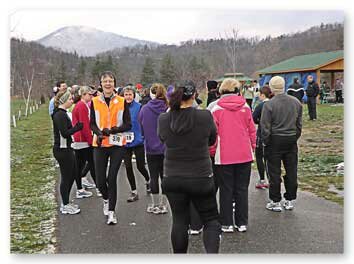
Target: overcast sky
point(169, 26)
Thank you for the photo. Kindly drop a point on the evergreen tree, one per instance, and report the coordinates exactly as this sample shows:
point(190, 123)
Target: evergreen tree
point(148, 75)
point(168, 70)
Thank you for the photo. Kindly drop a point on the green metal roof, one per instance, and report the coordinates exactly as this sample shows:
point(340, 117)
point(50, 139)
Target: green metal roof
point(310, 61)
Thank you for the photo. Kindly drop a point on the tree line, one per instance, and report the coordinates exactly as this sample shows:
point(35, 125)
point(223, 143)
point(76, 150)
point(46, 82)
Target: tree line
point(35, 68)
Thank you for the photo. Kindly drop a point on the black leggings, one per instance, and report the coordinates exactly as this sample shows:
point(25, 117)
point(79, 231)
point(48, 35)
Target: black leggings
point(82, 156)
point(67, 164)
point(155, 164)
point(260, 161)
point(181, 191)
point(140, 163)
point(108, 184)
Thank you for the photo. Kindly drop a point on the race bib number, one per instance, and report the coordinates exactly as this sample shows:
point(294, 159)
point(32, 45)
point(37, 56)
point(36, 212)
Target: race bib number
point(121, 139)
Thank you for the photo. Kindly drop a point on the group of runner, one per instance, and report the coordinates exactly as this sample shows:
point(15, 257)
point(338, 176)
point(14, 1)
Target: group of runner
point(190, 153)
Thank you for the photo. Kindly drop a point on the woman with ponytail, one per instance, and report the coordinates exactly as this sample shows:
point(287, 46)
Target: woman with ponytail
point(264, 96)
point(188, 176)
point(63, 153)
point(154, 148)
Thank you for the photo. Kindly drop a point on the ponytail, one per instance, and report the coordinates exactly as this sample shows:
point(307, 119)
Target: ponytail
point(176, 99)
point(159, 90)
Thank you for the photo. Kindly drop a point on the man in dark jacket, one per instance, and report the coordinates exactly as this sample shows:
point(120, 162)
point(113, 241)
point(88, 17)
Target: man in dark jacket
point(296, 90)
point(281, 124)
point(311, 92)
point(212, 91)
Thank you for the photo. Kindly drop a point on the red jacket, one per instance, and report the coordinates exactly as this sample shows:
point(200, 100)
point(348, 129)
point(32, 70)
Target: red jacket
point(81, 113)
point(236, 138)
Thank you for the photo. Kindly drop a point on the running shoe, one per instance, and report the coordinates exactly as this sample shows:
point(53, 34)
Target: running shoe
point(241, 228)
point(133, 197)
point(83, 194)
point(70, 209)
point(261, 184)
point(274, 206)
point(163, 209)
point(289, 205)
point(227, 229)
point(98, 193)
point(154, 209)
point(194, 232)
point(105, 207)
point(112, 218)
point(85, 183)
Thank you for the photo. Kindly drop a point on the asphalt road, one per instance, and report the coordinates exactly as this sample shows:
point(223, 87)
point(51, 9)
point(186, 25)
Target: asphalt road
point(314, 226)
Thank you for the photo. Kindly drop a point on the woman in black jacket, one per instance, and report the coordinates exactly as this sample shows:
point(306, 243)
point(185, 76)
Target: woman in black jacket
point(264, 96)
point(187, 134)
point(63, 153)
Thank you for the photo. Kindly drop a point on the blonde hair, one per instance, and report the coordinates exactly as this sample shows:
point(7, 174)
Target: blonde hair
point(229, 85)
point(160, 91)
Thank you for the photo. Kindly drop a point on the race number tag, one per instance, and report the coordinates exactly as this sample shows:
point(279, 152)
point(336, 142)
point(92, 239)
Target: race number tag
point(129, 136)
point(120, 139)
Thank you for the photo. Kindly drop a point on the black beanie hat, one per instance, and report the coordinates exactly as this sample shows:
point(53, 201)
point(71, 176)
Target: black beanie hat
point(212, 85)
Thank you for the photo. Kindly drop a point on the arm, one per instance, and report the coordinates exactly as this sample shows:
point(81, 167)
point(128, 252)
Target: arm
point(257, 114)
point(84, 118)
point(252, 131)
point(93, 124)
point(60, 121)
point(299, 123)
point(159, 130)
point(213, 132)
point(266, 123)
point(127, 124)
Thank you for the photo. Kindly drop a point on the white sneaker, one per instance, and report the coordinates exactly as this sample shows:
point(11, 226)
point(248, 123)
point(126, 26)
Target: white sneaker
point(163, 209)
point(273, 206)
point(195, 232)
point(98, 193)
point(112, 219)
point(69, 209)
point(289, 205)
point(227, 229)
point(72, 204)
point(87, 184)
point(83, 194)
point(241, 228)
point(105, 207)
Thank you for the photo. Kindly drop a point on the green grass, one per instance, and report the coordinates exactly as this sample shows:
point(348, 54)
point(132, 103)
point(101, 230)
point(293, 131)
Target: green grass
point(33, 177)
point(321, 147)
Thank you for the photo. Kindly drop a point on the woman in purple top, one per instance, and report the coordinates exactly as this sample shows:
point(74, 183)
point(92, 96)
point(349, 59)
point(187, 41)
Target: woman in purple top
point(154, 148)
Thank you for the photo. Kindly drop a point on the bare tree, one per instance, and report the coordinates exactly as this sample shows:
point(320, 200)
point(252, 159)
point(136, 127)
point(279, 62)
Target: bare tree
point(231, 47)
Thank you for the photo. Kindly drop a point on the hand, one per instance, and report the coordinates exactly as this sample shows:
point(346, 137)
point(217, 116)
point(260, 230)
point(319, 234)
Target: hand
point(105, 132)
point(99, 140)
point(114, 130)
point(79, 126)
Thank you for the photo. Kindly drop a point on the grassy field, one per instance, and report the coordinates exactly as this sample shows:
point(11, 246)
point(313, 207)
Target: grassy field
point(33, 178)
point(321, 147)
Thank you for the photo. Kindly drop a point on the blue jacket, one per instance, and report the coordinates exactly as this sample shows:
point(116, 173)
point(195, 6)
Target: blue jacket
point(134, 110)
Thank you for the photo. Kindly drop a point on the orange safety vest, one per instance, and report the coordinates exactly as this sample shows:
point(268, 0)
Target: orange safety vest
point(107, 117)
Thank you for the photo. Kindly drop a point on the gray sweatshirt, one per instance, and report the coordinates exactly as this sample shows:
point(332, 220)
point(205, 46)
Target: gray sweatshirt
point(281, 116)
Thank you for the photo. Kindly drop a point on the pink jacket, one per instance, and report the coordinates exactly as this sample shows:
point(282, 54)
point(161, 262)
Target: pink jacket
point(236, 137)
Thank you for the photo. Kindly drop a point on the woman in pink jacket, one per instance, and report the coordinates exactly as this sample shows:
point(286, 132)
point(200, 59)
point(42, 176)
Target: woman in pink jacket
point(235, 144)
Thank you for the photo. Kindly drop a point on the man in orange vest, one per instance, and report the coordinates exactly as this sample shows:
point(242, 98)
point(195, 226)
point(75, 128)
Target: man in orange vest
point(110, 117)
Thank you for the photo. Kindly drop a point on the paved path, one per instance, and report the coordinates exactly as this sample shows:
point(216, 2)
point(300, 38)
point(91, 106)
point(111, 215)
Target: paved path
point(315, 226)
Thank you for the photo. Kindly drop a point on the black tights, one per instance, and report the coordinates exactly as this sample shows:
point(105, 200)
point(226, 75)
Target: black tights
point(181, 191)
point(140, 163)
point(107, 184)
point(67, 164)
point(82, 156)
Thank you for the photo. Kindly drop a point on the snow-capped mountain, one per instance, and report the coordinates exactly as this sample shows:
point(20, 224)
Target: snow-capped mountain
point(87, 41)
